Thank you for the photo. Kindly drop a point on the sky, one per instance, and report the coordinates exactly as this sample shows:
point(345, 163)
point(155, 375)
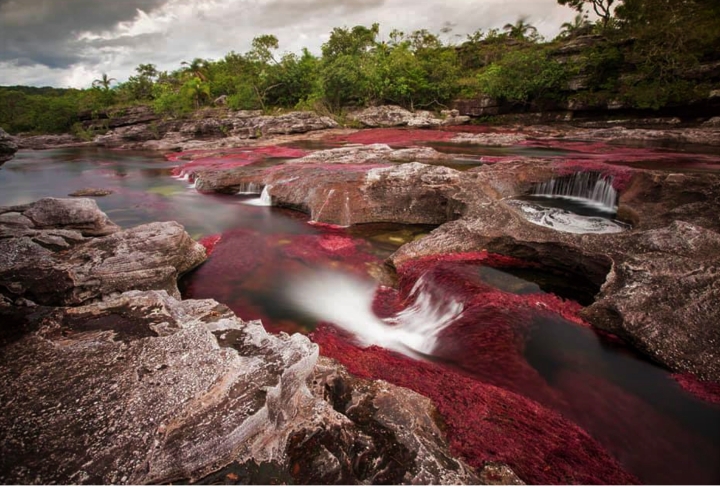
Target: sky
point(69, 43)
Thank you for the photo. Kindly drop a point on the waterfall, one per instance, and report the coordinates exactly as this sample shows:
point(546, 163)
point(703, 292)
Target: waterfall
point(347, 302)
point(265, 198)
point(315, 217)
point(251, 188)
point(587, 186)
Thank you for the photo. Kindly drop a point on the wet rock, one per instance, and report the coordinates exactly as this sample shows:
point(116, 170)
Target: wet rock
point(620, 134)
point(67, 252)
point(144, 389)
point(713, 122)
point(91, 192)
point(47, 141)
point(658, 280)
point(8, 146)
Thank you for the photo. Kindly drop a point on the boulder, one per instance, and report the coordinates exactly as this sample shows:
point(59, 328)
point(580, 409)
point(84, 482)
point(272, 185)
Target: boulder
point(383, 116)
point(8, 147)
point(142, 388)
point(66, 252)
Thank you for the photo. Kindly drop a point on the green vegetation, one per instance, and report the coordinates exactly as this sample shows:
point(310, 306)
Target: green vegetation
point(647, 54)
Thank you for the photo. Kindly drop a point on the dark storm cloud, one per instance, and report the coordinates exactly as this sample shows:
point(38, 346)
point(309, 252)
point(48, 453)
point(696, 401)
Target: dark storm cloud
point(45, 32)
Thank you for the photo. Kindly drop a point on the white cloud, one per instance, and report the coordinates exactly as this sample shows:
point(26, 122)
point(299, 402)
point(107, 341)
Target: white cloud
point(185, 29)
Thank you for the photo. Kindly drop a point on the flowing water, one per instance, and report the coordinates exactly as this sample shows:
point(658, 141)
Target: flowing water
point(274, 265)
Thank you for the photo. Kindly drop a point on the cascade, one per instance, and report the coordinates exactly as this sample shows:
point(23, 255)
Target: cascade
point(250, 189)
point(265, 198)
point(587, 186)
point(347, 302)
point(315, 217)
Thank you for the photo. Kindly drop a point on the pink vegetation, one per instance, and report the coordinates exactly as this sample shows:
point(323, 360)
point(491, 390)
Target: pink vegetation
point(228, 158)
point(209, 242)
point(704, 390)
point(486, 423)
point(394, 136)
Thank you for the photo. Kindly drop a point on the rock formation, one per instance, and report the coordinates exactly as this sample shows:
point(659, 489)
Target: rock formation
point(106, 381)
point(8, 147)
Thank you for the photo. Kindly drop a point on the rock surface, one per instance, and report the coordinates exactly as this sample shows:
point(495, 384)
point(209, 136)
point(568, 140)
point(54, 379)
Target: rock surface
point(46, 141)
point(224, 128)
point(147, 389)
point(66, 252)
point(103, 383)
point(388, 116)
point(8, 147)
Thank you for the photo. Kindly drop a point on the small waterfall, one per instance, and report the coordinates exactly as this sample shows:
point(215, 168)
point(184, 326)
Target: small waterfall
point(251, 189)
point(346, 213)
point(265, 198)
point(347, 302)
point(588, 186)
point(315, 217)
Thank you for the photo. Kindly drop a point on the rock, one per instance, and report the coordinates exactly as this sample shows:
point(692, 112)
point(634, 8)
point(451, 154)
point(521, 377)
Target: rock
point(144, 389)
point(713, 122)
point(91, 192)
point(490, 139)
point(220, 101)
point(47, 141)
point(383, 116)
point(480, 107)
point(8, 147)
point(499, 474)
point(226, 128)
point(375, 153)
point(388, 116)
point(66, 252)
point(673, 249)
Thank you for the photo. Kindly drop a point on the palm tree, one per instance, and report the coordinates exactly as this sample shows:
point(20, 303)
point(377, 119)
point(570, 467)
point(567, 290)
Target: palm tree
point(196, 68)
point(576, 27)
point(197, 89)
point(103, 82)
point(521, 30)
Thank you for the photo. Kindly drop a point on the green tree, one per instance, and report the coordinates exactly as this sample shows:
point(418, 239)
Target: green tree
point(521, 30)
point(580, 25)
point(103, 82)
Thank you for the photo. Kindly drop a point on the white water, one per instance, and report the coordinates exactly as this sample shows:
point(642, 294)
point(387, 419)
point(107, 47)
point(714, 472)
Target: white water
point(346, 302)
point(565, 221)
point(590, 187)
point(265, 198)
point(250, 189)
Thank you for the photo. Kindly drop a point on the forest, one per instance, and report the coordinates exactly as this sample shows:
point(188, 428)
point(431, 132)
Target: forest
point(649, 54)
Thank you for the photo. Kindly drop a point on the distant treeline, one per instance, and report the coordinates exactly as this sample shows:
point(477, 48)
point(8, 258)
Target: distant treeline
point(644, 54)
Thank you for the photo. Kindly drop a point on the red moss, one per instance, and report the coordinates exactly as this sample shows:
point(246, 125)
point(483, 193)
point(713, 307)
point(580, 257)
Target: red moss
point(486, 423)
point(704, 390)
point(226, 158)
point(394, 136)
point(209, 242)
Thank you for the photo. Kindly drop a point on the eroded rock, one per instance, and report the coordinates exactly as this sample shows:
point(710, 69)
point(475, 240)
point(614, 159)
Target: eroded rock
point(147, 389)
point(67, 252)
point(8, 146)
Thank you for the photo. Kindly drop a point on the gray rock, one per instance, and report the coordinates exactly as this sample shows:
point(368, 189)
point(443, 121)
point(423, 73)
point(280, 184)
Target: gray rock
point(8, 147)
point(48, 255)
point(144, 389)
point(47, 141)
point(383, 116)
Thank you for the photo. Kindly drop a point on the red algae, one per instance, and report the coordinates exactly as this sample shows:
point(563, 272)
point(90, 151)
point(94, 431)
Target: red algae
point(706, 391)
point(209, 242)
point(486, 423)
point(227, 158)
point(394, 136)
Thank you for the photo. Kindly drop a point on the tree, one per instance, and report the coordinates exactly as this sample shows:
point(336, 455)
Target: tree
point(578, 26)
point(603, 8)
point(103, 82)
point(196, 89)
point(196, 68)
point(521, 30)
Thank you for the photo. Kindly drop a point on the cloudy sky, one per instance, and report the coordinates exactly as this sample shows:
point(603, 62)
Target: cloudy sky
point(68, 43)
